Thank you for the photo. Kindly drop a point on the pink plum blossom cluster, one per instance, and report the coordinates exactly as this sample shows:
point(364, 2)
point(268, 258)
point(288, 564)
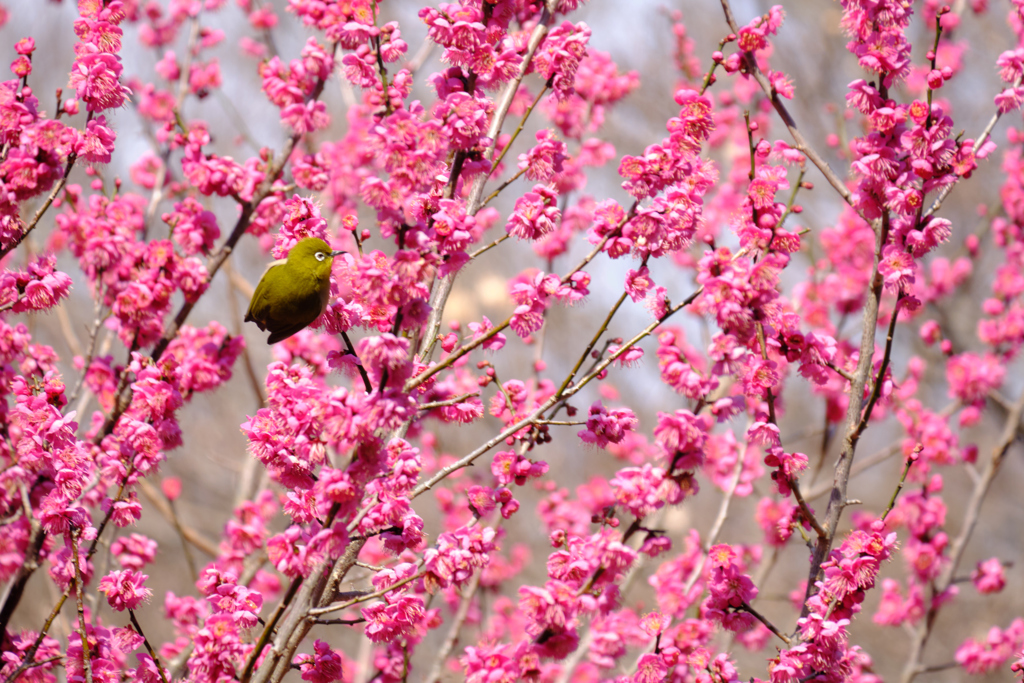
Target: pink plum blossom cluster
point(39, 150)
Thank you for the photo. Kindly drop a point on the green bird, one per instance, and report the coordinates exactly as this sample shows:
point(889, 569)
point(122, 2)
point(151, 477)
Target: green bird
point(293, 292)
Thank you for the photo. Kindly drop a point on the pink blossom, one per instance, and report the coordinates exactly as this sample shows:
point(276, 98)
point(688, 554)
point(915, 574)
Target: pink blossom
point(97, 141)
point(551, 611)
point(559, 56)
point(787, 466)
point(217, 647)
point(729, 589)
point(306, 118)
point(637, 283)
point(458, 554)
point(536, 214)
point(38, 288)
point(982, 657)
point(509, 467)
point(545, 159)
point(134, 551)
point(483, 329)
point(124, 589)
point(95, 77)
point(677, 361)
point(465, 119)
point(776, 519)
point(490, 664)
point(604, 426)
point(893, 610)
point(396, 616)
point(989, 576)
point(637, 489)
point(972, 377)
point(323, 666)
point(681, 436)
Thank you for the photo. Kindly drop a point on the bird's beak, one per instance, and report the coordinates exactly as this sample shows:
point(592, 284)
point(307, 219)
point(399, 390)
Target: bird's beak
point(338, 253)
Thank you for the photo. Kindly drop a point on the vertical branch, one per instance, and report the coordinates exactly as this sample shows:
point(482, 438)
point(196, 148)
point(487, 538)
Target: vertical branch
point(453, 631)
point(841, 477)
point(971, 514)
point(236, 283)
point(313, 593)
point(93, 336)
point(82, 628)
point(444, 286)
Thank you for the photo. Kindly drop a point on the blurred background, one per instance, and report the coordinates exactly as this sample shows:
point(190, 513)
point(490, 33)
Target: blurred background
point(215, 466)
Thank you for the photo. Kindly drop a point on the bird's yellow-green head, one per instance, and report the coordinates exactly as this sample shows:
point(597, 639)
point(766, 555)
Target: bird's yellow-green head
point(294, 291)
point(312, 255)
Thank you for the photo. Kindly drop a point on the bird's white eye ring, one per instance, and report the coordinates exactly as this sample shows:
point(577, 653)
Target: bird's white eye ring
point(320, 256)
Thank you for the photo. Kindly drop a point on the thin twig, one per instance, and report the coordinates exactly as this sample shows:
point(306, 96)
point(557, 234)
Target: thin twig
point(82, 629)
point(805, 509)
point(372, 567)
point(971, 514)
point(93, 336)
point(341, 622)
point(238, 283)
point(862, 465)
point(184, 75)
point(769, 625)
point(74, 345)
point(845, 374)
point(458, 353)
point(453, 631)
point(985, 133)
point(316, 612)
point(359, 365)
point(787, 119)
point(443, 289)
point(188, 536)
point(488, 247)
point(447, 402)
point(505, 184)
point(515, 134)
point(4, 251)
point(903, 479)
point(149, 648)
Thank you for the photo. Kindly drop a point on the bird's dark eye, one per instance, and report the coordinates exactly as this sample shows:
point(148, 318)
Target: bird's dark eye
point(320, 256)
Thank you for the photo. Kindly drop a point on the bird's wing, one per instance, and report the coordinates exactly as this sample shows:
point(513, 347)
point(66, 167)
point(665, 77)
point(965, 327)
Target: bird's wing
point(258, 305)
point(286, 332)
